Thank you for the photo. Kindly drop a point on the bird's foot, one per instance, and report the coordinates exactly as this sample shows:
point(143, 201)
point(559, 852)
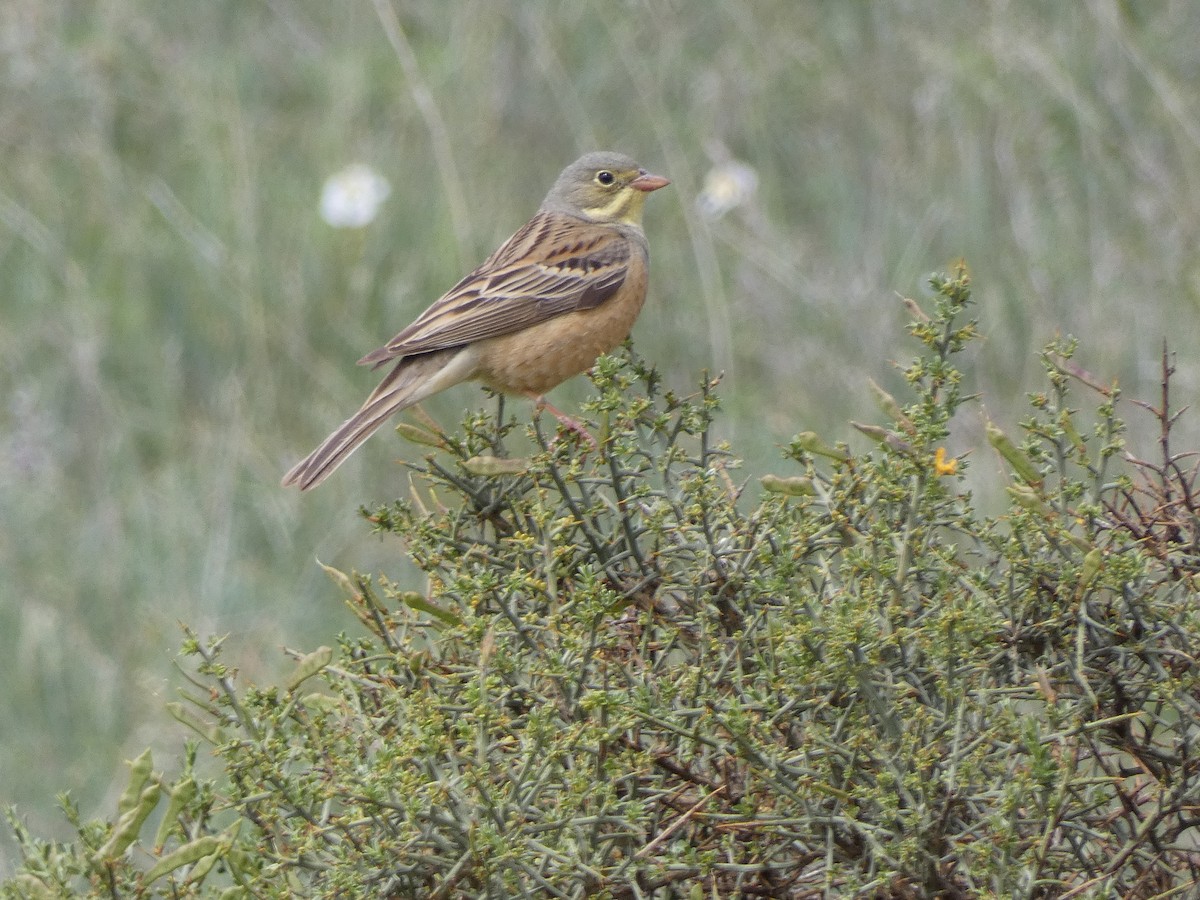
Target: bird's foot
point(566, 421)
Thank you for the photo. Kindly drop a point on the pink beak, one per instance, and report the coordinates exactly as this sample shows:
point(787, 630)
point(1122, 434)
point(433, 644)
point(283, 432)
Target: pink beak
point(647, 182)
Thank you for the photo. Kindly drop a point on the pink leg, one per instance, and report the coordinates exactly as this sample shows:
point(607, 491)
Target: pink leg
point(566, 421)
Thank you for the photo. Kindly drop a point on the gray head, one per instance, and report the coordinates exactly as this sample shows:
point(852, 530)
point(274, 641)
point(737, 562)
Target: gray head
point(604, 187)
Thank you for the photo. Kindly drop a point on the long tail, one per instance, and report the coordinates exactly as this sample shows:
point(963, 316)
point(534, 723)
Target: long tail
point(411, 380)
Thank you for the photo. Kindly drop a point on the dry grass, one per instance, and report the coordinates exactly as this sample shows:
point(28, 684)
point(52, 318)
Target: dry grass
point(178, 325)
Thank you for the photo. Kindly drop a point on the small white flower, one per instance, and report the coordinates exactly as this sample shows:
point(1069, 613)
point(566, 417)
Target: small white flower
point(351, 198)
point(727, 186)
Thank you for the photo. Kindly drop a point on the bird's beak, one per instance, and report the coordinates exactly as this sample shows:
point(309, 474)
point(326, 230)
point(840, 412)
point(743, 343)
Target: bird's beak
point(647, 182)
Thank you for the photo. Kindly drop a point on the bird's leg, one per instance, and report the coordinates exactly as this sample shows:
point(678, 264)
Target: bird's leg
point(540, 403)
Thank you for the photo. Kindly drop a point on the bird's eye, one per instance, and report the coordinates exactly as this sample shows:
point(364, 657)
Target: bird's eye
point(605, 177)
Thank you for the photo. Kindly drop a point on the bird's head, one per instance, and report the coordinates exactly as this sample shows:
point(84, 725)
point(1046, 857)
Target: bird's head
point(604, 187)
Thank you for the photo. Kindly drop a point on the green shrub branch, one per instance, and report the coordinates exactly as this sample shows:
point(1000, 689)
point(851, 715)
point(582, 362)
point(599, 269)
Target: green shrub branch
point(633, 673)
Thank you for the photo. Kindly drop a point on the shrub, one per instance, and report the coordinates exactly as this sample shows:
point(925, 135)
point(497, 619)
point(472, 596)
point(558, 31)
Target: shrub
point(627, 678)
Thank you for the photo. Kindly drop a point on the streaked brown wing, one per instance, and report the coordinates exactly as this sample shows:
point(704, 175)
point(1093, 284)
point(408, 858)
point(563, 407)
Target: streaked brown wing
point(554, 265)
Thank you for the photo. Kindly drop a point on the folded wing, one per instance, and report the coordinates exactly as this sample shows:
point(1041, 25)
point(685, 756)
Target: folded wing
point(573, 268)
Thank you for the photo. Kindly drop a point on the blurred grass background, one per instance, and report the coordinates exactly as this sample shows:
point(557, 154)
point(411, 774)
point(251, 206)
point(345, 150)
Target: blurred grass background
point(177, 325)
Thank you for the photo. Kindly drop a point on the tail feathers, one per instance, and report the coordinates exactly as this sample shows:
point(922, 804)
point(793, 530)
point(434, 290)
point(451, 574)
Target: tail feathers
point(412, 380)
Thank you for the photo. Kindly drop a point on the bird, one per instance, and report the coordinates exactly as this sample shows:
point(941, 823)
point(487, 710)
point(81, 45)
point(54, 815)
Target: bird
point(563, 290)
